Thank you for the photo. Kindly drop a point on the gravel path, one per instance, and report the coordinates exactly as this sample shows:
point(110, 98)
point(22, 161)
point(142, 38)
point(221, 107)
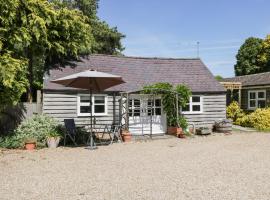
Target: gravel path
point(215, 167)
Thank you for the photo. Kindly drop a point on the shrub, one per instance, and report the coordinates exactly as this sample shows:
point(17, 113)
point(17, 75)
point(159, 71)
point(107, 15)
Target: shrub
point(259, 119)
point(38, 127)
point(234, 111)
point(183, 122)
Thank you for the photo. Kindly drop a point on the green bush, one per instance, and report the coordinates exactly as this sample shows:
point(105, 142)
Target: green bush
point(234, 111)
point(36, 128)
point(259, 119)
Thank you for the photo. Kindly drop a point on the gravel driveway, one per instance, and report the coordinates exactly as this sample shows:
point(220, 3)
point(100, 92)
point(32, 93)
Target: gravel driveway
point(214, 167)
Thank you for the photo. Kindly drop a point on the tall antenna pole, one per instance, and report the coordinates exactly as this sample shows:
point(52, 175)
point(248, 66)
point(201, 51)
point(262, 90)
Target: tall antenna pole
point(198, 49)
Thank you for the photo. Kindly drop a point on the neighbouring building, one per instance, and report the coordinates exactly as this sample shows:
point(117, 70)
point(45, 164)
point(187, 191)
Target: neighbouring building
point(251, 91)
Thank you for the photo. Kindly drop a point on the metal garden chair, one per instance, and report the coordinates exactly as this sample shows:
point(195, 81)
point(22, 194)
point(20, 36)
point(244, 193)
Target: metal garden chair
point(71, 131)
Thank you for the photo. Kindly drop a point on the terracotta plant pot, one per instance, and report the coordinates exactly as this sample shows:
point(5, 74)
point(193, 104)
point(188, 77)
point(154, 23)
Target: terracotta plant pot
point(53, 142)
point(180, 133)
point(172, 130)
point(30, 145)
point(126, 135)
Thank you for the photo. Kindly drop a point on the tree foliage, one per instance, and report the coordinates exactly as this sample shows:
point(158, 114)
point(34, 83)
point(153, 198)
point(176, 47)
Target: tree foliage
point(264, 57)
point(13, 80)
point(218, 77)
point(45, 34)
point(107, 40)
point(42, 34)
point(247, 57)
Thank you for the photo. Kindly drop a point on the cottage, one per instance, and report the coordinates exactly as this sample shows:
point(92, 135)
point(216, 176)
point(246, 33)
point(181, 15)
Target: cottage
point(207, 104)
point(252, 91)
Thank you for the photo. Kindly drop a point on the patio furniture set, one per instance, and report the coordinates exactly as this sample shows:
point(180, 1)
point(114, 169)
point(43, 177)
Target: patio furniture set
point(107, 135)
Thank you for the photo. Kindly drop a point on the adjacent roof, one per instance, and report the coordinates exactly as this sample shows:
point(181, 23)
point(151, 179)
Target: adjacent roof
point(138, 72)
point(251, 80)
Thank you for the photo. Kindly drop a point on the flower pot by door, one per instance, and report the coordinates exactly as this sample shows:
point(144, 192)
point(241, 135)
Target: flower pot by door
point(30, 145)
point(126, 135)
point(53, 142)
point(172, 130)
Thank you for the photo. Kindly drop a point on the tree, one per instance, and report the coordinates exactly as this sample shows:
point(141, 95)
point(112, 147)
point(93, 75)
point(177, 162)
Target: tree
point(107, 40)
point(248, 57)
point(42, 34)
point(12, 79)
point(264, 57)
point(218, 77)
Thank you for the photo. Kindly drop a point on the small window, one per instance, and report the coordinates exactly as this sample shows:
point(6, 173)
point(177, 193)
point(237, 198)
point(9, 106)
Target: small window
point(134, 107)
point(256, 99)
point(98, 106)
point(155, 105)
point(193, 106)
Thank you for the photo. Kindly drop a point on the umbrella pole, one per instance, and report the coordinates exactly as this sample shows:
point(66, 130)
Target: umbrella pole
point(92, 143)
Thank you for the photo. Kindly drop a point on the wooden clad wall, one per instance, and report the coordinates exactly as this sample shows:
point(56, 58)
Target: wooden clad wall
point(64, 106)
point(244, 95)
point(214, 108)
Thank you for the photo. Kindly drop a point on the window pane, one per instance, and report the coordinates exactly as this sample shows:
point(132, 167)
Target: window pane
point(252, 95)
point(196, 108)
point(186, 108)
point(84, 99)
point(130, 112)
point(252, 103)
point(137, 103)
point(99, 109)
point(85, 109)
point(158, 111)
point(158, 102)
point(149, 112)
point(149, 103)
point(136, 112)
point(261, 95)
point(196, 99)
point(130, 103)
point(261, 103)
point(99, 99)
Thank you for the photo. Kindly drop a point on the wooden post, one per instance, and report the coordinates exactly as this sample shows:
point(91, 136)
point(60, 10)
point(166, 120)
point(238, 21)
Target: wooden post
point(38, 96)
point(239, 97)
point(127, 112)
point(177, 110)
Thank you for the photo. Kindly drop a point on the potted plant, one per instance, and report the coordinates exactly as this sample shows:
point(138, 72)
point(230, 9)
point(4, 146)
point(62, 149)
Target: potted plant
point(126, 135)
point(183, 127)
point(30, 143)
point(53, 139)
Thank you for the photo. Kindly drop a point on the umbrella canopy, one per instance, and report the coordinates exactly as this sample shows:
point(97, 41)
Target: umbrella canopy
point(91, 80)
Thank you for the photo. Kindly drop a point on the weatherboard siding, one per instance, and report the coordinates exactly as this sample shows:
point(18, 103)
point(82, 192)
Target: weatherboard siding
point(244, 96)
point(214, 108)
point(64, 106)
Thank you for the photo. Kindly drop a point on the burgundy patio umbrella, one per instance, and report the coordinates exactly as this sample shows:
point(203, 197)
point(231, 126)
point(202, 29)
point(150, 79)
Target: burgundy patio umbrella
point(93, 81)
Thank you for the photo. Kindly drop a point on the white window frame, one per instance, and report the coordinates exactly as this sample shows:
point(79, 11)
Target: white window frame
point(79, 104)
point(256, 98)
point(191, 104)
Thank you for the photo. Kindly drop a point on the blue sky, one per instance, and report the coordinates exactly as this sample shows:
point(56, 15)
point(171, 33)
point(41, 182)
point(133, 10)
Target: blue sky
point(171, 28)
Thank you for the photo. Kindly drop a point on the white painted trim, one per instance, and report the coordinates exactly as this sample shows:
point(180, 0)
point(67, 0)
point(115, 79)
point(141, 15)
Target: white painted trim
point(93, 104)
point(256, 98)
point(196, 103)
point(255, 87)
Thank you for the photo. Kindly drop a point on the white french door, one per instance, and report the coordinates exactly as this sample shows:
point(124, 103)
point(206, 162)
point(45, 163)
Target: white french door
point(146, 115)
